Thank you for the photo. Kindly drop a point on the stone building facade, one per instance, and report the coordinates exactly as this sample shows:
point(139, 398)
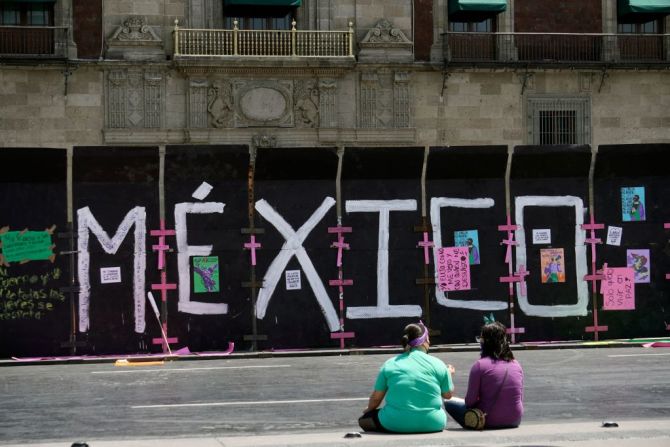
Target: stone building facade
point(119, 81)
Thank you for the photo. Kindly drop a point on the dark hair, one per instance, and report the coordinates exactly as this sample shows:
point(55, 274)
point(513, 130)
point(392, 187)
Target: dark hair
point(410, 332)
point(494, 342)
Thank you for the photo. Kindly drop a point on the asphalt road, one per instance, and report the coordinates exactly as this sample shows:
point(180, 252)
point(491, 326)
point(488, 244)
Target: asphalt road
point(300, 394)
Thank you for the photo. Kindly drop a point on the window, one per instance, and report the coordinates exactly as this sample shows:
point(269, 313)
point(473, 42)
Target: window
point(641, 40)
point(26, 14)
point(472, 40)
point(485, 26)
point(559, 120)
point(651, 27)
point(259, 17)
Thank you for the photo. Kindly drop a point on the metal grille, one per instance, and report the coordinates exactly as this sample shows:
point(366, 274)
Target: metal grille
point(559, 120)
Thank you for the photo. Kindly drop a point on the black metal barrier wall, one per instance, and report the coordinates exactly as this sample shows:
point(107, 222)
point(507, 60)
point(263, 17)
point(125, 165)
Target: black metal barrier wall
point(283, 248)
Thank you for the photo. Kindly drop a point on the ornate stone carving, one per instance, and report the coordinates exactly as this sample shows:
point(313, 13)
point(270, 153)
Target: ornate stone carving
point(134, 39)
point(135, 99)
point(306, 103)
point(384, 43)
point(401, 100)
point(197, 103)
point(220, 104)
point(327, 103)
point(263, 140)
point(135, 29)
point(384, 32)
point(263, 103)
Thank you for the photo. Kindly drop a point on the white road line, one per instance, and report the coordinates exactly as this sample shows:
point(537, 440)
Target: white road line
point(261, 402)
point(636, 355)
point(209, 368)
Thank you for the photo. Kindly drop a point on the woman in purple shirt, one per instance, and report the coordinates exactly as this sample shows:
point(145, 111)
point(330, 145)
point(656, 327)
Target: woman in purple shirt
point(495, 385)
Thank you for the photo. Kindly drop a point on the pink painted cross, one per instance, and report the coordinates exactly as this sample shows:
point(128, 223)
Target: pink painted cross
point(161, 247)
point(426, 244)
point(252, 245)
point(508, 252)
point(340, 245)
point(340, 241)
point(522, 273)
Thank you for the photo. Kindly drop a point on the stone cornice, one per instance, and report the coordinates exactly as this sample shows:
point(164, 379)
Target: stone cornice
point(290, 137)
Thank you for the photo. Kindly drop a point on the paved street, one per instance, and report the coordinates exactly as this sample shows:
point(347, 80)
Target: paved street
point(302, 395)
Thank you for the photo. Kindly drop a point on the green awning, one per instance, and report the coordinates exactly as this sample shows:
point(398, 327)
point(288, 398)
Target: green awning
point(477, 6)
point(643, 7)
point(262, 2)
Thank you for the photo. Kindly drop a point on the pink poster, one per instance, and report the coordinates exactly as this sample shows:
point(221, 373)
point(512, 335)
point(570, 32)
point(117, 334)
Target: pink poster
point(453, 268)
point(618, 288)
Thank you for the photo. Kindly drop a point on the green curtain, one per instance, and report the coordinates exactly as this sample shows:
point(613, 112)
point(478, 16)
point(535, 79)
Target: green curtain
point(263, 2)
point(643, 7)
point(477, 6)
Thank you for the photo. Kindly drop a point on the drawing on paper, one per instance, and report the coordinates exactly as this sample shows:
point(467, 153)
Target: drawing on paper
point(470, 239)
point(632, 204)
point(640, 262)
point(551, 264)
point(205, 274)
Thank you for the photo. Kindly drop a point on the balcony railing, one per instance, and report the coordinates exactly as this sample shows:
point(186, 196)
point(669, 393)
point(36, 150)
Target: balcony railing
point(33, 41)
point(556, 48)
point(273, 43)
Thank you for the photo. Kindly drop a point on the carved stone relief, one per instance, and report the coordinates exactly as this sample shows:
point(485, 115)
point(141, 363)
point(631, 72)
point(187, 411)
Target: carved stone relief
point(384, 100)
point(230, 103)
point(327, 103)
point(385, 43)
point(135, 98)
point(220, 104)
point(306, 103)
point(401, 100)
point(134, 39)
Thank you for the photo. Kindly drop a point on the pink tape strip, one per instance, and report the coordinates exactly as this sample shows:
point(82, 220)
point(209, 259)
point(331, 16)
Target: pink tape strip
point(160, 341)
point(340, 282)
point(596, 328)
point(516, 330)
point(163, 286)
point(342, 335)
point(340, 229)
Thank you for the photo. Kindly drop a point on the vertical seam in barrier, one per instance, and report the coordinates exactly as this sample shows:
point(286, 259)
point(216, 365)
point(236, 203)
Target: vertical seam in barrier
point(161, 182)
point(338, 184)
point(426, 150)
point(69, 185)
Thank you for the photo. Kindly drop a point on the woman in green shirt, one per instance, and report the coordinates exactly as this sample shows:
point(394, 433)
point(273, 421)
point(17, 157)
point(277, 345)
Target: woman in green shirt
point(413, 384)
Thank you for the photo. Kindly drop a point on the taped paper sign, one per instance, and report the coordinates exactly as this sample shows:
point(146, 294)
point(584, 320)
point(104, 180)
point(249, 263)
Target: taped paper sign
point(632, 204)
point(293, 280)
point(551, 264)
point(618, 288)
point(542, 236)
point(20, 246)
point(109, 275)
point(640, 261)
point(205, 274)
point(469, 239)
point(614, 236)
point(453, 268)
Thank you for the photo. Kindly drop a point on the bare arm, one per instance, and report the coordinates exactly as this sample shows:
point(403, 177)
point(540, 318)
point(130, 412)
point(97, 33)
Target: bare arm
point(375, 400)
point(449, 394)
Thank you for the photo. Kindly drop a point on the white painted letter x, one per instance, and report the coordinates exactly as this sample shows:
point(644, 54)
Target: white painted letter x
point(293, 247)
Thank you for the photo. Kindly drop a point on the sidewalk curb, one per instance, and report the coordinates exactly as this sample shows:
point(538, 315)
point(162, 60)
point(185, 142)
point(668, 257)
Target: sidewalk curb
point(66, 360)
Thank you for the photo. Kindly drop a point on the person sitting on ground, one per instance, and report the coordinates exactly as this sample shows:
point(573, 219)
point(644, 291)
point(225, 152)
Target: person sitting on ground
point(413, 384)
point(495, 385)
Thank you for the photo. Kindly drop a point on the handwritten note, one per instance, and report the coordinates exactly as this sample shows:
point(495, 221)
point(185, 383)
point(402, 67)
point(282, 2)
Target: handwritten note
point(453, 268)
point(29, 296)
point(109, 275)
point(614, 236)
point(618, 288)
point(20, 246)
point(542, 236)
point(293, 280)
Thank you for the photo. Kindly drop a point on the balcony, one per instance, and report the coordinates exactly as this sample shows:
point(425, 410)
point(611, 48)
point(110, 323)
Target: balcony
point(556, 49)
point(237, 43)
point(26, 42)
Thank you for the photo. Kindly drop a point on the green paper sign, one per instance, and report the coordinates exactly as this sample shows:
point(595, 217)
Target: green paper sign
point(205, 274)
point(20, 246)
